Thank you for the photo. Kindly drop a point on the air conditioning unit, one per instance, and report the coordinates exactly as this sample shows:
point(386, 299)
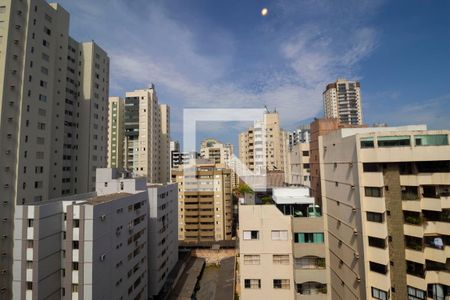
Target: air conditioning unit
point(352, 187)
point(103, 217)
point(355, 231)
point(102, 257)
point(350, 164)
point(356, 255)
point(353, 209)
point(358, 279)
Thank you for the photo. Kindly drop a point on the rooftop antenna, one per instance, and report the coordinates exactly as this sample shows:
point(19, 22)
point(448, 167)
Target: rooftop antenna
point(267, 110)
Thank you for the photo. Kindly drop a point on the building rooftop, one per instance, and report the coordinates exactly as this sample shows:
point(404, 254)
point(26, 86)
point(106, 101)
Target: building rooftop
point(297, 195)
point(344, 132)
point(106, 198)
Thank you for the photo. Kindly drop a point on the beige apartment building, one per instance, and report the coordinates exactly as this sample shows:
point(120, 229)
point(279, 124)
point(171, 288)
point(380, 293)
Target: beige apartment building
point(204, 202)
point(298, 171)
point(386, 193)
point(220, 153)
point(146, 135)
point(116, 130)
point(53, 113)
point(262, 147)
point(282, 248)
point(216, 151)
point(342, 100)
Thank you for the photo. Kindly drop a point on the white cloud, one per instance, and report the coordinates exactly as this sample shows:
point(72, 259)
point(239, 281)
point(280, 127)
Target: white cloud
point(147, 45)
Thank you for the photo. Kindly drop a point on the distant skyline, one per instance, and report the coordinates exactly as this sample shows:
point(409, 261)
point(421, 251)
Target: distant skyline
point(225, 54)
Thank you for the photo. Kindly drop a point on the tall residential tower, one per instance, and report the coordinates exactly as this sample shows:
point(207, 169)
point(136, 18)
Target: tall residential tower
point(342, 100)
point(139, 133)
point(53, 113)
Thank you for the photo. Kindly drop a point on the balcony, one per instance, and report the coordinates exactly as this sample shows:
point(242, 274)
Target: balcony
point(311, 288)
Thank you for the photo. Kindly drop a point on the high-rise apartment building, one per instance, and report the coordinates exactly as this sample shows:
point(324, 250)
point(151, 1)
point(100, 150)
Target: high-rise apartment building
point(118, 242)
point(145, 141)
point(205, 210)
point(283, 248)
point(263, 146)
point(91, 245)
point(53, 113)
point(165, 143)
point(116, 132)
point(342, 100)
point(321, 127)
point(300, 135)
point(386, 195)
point(162, 235)
point(216, 151)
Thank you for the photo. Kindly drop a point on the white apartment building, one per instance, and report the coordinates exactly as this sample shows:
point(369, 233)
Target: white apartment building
point(283, 248)
point(342, 100)
point(300, 135)
point(162, 234)
point(99, 245)
point(385, 191)
point(53, 113)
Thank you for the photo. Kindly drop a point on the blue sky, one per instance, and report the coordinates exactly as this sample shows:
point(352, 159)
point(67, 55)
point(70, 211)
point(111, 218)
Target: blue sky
point(204, 53)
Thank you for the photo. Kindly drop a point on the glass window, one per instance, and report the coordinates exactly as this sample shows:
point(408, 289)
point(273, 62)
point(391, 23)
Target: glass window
point(415, 294)
point(281, 284)
point(394, 141)
point(379, 294)
point(367, 142)
point(371, 167)
point(375, 217)
point(311, 288)
point(310, 262)
point(379, 268)
point(377, 242)
point(431, 140)
point(309, 237)
point(252, 283)
point(371, 191)
point(281, 259)
point(251, 235)
point(279, 235)
point(410, 193)
point(252, 259)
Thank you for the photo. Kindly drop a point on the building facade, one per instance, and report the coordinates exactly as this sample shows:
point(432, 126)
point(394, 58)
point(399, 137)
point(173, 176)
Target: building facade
point(342, 100)
point(205, 211)
point(86, 246)
point(216, 151)
point(386, 194)
point(119, 242)
point(162, 234)
point(298, 171)
point(146, 136)
point(300, 135)
point(53, 113)
point(283, 248)
point(263, 146)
